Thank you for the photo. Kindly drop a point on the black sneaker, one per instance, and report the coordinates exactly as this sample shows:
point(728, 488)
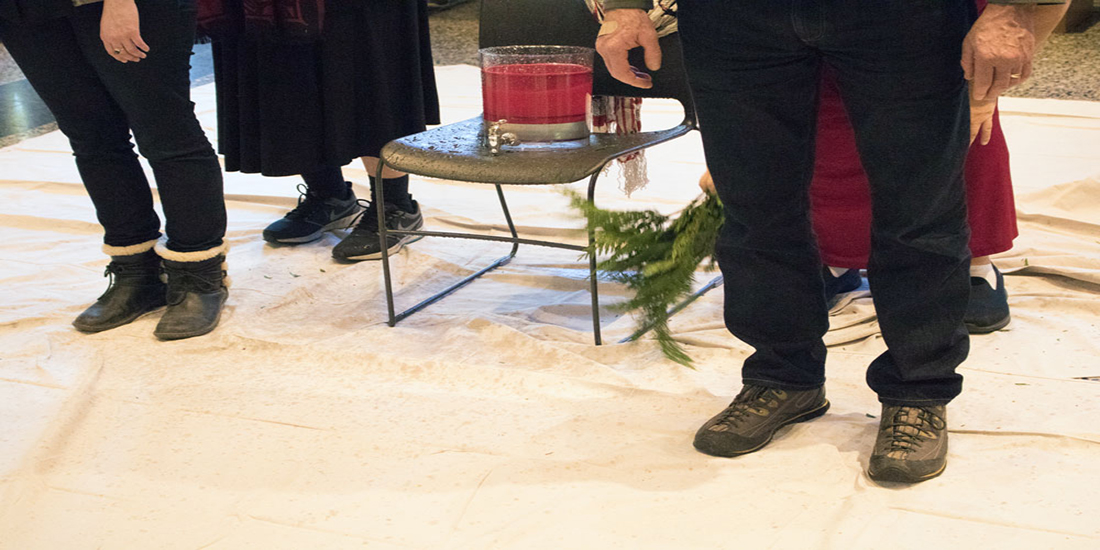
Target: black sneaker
point(987, 310)
point(754, 416)
point(312, 217)
point(911, 444)
point(835, 287)
point(362, 243)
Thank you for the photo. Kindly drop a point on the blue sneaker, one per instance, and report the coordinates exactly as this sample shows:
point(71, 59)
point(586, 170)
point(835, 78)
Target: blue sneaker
point(835, 286)
point(987, 310)
point(312, 217)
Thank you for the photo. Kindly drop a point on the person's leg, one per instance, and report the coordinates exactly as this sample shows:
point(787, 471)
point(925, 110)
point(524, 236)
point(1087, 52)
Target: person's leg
point(840, 197)
point(747, 74)
point(396, 192)
point(388, 45)
point(899, 75)
point(755, 86)
point(992, 215)
point(898, 71)
point(401, 213)
point(51, 59)
point(327, 202)
point(327, 182)
point(370, 164)
point(155, 95)
point(396, 184)
point(987, 309)
point(841, 204)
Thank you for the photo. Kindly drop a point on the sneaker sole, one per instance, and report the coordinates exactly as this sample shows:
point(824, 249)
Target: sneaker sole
point(341, 223)
point(979, 329)
point(808, 415)
point(408, 239)
point(897, 476)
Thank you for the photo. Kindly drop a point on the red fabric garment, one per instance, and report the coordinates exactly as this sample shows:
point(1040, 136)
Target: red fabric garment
point(840, 197)
point(282, 20)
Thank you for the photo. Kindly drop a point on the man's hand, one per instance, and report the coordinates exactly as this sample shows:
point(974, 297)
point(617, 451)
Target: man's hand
point(120, 31)
point(624, 30)
point(997, 52)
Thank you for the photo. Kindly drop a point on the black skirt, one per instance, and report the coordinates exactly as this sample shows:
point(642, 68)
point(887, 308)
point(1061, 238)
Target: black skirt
point(285, 109)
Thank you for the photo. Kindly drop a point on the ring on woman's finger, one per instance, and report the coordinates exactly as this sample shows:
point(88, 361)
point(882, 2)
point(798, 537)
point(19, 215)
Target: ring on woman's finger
point(1015, 75)
point(117, 51)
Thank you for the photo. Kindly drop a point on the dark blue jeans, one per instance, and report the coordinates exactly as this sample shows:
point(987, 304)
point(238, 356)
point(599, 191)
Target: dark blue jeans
point(97, 101)
point(754, 66)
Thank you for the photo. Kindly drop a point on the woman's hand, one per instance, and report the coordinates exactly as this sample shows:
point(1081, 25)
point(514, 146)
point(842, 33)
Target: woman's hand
point(706, 183)
point(981, 119)
point(120, 31)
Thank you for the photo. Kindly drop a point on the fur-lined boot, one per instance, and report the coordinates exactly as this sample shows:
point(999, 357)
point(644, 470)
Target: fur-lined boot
point(197, 290)
point(135, 288)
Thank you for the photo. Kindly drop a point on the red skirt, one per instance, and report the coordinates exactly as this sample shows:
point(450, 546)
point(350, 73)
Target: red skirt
point(840, 197)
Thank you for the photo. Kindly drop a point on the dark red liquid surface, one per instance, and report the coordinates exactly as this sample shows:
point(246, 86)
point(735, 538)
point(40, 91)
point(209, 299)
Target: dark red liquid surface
point(539, 93)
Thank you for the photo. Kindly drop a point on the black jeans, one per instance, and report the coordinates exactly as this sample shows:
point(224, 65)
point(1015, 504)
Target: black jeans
point(754, 67)
point(97, 101)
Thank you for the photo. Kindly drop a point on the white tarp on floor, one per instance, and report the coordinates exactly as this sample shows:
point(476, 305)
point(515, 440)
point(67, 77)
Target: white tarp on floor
point(489, 420)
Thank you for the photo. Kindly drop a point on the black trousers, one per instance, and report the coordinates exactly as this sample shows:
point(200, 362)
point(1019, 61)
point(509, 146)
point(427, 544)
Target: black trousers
point(98, 101)
point(754, 67)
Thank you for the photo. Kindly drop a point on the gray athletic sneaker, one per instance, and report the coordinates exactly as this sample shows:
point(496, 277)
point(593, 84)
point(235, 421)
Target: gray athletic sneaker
point(362, 243)
point(754, 416)
point(312, 217)
point(911, 444)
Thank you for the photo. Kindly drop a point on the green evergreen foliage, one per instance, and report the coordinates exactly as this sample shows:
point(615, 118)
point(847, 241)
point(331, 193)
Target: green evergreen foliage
point(656, 256)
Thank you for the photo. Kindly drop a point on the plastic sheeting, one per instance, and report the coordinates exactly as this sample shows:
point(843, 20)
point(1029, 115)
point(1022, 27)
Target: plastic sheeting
point(489, 420)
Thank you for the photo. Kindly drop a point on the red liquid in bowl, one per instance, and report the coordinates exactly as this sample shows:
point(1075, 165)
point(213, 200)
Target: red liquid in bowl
point(538, 93)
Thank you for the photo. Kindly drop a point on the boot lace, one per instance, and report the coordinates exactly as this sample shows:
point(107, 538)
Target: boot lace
point(115, 271)
point(188, 280)
point(911, 427)
point(112, 271)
